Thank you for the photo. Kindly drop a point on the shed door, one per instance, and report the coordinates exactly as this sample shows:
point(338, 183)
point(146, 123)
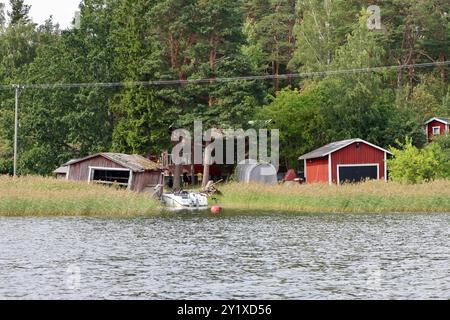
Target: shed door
point(111, 176)
point(357, 173)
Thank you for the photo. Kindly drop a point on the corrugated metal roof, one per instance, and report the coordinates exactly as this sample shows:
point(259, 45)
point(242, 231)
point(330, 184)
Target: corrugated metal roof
point(335, 146)
point(134, 162)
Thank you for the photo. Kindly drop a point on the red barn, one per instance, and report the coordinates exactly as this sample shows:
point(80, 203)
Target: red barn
point(131, 171)
point(437, 127)
point(348, 160)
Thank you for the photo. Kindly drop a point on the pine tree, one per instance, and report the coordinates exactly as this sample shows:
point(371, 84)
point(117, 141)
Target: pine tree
point(271, 25)
point(2, 15)
point(19, 12)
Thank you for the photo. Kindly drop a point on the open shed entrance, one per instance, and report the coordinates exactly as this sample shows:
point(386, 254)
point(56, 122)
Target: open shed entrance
point(110, 176)
point(357, 173)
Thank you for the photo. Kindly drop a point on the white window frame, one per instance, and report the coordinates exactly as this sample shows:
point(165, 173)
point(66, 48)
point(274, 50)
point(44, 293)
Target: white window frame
point(436, 134)
point(330, 172)
point(358, 165)
point(92, 169)
point(305, 169)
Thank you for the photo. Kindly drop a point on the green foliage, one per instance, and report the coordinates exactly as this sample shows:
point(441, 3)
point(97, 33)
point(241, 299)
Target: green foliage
point(442, 150)
point(142, 40)
point(299, 120)
point(19, 12)
point(142, 127)
point(2, 15)
point(322, 29)
point(413, 165)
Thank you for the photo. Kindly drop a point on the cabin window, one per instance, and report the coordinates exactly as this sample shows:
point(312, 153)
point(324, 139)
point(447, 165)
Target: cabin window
point(107, 176)
point(436, 131)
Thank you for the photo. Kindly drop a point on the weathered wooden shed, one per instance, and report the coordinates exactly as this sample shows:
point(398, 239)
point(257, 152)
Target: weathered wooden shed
point(61, 172)
point(351, 160)
point(131, 171)
point(437, 126)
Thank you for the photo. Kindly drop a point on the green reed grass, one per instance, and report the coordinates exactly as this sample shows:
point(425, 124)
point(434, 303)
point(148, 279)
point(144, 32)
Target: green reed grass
point(38, 196)
point(368, 197)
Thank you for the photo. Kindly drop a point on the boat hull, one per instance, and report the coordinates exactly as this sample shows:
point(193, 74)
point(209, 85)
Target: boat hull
point(189, 201)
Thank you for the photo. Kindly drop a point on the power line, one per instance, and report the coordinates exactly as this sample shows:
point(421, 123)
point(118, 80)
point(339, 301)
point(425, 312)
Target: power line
point(220, 80)
point(19, 87)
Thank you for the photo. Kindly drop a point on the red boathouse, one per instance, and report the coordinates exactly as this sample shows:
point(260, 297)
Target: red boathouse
point(345, 161)
point(130, 171)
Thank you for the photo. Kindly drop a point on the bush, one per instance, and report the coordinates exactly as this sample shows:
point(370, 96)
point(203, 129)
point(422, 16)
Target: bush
point(443, 145)
point(413, 165)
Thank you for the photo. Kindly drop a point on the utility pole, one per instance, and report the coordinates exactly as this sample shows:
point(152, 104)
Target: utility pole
point(16, 127)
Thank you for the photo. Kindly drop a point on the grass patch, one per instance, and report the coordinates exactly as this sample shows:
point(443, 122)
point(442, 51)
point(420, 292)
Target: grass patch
point(38, 196)
point(372, 196)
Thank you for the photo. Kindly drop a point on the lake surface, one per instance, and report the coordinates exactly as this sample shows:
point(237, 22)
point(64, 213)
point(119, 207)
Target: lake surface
point(312, 256)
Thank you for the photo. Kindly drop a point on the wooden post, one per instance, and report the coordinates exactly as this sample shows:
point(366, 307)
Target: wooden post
point(16, 128)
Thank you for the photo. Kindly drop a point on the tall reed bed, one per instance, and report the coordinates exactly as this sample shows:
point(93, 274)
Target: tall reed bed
point(368, 197)
point(38, 196)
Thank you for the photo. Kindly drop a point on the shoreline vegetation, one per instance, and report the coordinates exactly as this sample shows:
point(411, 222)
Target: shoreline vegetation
point(39, 196)
point(367, 197)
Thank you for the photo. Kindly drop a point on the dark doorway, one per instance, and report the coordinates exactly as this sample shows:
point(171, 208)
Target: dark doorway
point(111, 176)
point(357, 173)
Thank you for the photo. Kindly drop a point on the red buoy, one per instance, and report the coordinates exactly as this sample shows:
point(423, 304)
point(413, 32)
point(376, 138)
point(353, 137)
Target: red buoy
point(216, 209)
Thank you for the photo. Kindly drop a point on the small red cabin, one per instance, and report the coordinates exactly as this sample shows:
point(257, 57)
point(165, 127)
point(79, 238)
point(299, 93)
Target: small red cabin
point(436, 127)
point(345, 161)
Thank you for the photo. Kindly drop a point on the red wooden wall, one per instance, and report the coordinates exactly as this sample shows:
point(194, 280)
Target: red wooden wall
point(141, 180)
point(80, 171)
point(365, 154)
point(317, 170)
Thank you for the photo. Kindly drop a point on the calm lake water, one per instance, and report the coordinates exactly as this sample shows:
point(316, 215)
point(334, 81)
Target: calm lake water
point(309, 256)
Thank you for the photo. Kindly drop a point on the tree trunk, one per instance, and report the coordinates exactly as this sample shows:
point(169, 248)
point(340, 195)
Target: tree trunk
point(177, 178)
point(275, 72)
point(192, 173)
point(205, 175)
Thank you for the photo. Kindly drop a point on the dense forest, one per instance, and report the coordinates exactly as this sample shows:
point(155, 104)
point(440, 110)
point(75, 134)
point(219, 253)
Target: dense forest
point(141, 40)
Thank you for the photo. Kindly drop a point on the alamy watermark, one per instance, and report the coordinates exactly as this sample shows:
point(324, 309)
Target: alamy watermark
point(225, 146)
point(374, 21)
point(73, 277)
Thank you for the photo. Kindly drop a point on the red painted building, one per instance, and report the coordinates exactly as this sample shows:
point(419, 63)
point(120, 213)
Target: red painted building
point(345, 161)
point(436, 127)
point(130, 171)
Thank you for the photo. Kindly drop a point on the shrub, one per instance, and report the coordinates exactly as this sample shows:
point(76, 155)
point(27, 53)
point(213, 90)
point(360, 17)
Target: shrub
point(413, 165)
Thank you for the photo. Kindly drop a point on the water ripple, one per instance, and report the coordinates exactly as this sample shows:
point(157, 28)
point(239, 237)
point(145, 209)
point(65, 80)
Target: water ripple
point(398, 256)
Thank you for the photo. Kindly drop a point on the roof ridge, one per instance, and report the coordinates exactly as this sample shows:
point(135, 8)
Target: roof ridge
point(134, 162)
point(336, 146)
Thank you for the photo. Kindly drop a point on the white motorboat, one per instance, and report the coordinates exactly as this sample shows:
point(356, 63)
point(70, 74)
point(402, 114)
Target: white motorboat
point(185, 200)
